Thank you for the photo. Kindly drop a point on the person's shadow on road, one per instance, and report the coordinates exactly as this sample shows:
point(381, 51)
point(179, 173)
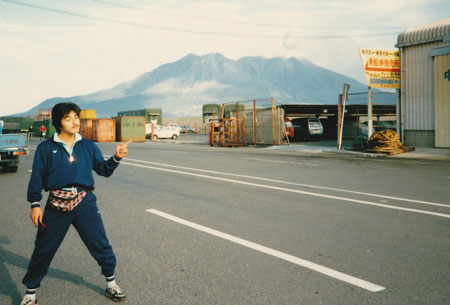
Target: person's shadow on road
point(8, 286)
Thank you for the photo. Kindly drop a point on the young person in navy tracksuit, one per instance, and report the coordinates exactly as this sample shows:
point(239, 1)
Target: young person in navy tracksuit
point(65, 163)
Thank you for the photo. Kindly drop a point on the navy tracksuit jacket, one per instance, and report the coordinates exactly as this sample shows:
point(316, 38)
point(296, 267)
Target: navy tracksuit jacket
point(56, 167)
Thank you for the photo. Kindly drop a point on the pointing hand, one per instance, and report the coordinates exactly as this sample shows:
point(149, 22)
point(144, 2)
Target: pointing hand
point(122, 149)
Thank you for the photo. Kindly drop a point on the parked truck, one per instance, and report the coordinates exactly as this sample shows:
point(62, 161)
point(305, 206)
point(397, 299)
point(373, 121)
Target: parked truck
point(11, 147)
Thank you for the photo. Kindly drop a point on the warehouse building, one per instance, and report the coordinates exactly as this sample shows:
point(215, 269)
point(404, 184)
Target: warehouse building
point(425, 84)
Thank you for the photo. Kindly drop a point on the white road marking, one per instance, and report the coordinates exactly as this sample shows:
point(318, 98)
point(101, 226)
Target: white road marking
point(290, 190)
point(281, 255)
point(293, 183)
point(310, 186)
point(276, 161)
point(176, 151)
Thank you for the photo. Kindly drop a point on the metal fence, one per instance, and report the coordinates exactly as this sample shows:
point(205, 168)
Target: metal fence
point(257, 121)
point(383, 113)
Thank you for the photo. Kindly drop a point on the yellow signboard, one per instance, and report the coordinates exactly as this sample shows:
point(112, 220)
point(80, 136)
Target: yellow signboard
point(381, 67)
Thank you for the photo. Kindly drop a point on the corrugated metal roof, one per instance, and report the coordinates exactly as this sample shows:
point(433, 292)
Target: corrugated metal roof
point(436, 31)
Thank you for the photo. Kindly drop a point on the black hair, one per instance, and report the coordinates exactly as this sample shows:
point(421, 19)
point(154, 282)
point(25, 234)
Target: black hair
point(59, 111)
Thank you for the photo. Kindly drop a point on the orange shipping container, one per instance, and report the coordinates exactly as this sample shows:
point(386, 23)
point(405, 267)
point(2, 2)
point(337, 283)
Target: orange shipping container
point(86, 129)
point(104, 130)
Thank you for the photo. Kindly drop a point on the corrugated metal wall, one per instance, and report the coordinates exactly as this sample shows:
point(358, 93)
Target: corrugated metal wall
point(426, 33)
point(418, 87)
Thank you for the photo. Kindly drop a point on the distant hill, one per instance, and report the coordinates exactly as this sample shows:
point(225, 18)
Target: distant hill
point(182, 87)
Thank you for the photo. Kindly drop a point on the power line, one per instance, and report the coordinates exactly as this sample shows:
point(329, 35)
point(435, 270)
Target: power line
point(161, 28)
point(249, 23)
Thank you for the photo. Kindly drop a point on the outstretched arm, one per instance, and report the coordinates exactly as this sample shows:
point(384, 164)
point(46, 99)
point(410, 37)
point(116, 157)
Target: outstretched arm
point(106, 167)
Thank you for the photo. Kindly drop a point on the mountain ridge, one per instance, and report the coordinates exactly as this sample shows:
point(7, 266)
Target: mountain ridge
point(180, 88)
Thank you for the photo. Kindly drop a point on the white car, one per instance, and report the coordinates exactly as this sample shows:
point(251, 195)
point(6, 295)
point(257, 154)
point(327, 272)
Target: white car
point(162, 132)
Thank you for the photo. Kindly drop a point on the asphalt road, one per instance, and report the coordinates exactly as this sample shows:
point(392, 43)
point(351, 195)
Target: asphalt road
point(193, 224)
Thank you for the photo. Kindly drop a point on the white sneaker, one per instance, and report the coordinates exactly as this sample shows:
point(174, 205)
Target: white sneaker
point(114, 293)
point(28, 301)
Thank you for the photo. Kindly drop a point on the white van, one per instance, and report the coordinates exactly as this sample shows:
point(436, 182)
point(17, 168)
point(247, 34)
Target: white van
point(162, 132)
point(307, 128)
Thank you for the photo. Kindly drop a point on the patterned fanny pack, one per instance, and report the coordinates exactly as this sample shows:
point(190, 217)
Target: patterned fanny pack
point(65, 201)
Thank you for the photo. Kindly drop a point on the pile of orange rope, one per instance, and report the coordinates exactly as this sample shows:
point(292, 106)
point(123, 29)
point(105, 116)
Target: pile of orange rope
point(386, 140)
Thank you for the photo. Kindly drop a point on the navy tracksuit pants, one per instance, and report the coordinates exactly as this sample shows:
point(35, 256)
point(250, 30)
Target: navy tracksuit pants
point(86, 219)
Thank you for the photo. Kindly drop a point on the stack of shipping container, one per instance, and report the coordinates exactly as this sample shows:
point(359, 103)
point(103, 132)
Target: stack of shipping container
point(121, 128)
point(86, 119)
point(128, 125)
point(99, 130)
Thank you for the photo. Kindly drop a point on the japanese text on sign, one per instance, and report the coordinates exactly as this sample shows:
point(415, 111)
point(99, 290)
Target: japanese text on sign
point(381, 67)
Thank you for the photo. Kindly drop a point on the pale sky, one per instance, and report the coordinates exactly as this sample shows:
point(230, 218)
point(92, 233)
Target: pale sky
point(51, 48)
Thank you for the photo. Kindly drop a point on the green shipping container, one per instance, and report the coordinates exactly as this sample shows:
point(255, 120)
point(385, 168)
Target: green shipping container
point(50, 128)
point(25, 123)
point(130, 128)
point(230, 110)
point(18, 123)
point(36, 125)
point(48, 124)
point(211, 111)
point(11, 127)
point(11, 119)
point(149, 114)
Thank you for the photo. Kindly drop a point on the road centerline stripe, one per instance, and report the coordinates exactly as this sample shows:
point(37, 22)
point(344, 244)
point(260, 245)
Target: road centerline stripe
point(292, 183)
point(281, 255)
point(277, 161)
